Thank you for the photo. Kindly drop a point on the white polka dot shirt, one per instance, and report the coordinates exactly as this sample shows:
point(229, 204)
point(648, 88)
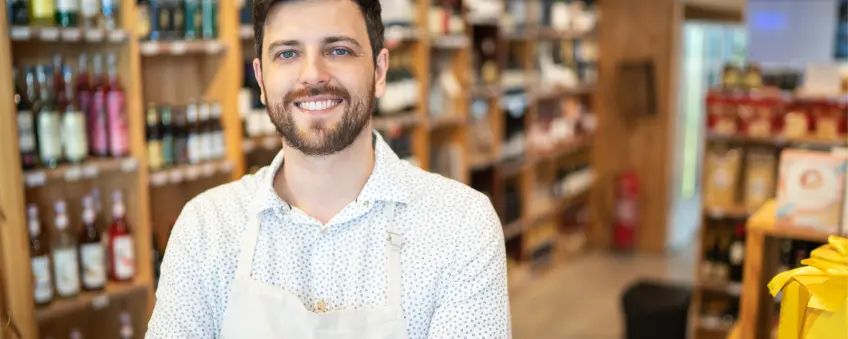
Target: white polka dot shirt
point(453, 261)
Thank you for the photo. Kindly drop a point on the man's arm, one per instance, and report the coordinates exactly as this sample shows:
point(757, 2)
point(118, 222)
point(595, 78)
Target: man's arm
point(473, 300)
point(183, 308)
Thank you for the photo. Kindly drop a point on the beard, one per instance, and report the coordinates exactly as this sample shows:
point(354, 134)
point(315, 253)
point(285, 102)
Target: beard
point(320, 139)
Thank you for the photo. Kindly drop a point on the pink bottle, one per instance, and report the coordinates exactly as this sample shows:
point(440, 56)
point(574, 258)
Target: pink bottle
point(117, 118)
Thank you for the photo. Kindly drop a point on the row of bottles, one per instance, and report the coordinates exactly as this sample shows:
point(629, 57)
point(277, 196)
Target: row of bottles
point(64, 13)
point(68, 117)
point(126, 330)
point(177, 137)
point(484, 56)
point(724, 251)
point(71, 264)
point(401, 86)
point(445, 18)
point(179, 19)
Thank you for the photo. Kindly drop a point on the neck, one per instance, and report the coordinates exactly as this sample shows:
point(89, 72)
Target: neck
point(322, 185)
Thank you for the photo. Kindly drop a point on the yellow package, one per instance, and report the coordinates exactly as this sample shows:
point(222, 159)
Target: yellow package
point(815, 297)
point(721, 178)
point(760, 179)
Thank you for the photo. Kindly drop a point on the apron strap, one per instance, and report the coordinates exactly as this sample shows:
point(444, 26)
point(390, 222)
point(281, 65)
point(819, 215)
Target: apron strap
point(247, 248)
point(395, 240)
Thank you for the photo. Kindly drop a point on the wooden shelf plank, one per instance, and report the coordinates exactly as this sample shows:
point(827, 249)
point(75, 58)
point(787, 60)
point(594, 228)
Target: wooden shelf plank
point(396, 120)
point(184, 173)
point(715, 10)
point(777, 141)
point(97, 300)
point(154, 48)
point(87, 170)
point(552, 33)
point(765, 221)
point(736, 212)
point(551, 93)
point(446, 120)
point(58, 34)
point(456, 41)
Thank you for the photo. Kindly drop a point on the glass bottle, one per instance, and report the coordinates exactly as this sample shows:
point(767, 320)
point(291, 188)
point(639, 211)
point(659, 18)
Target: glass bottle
point(109, 11)
point(92, 258)
point(121, 253)
point(218, 142)
point(48, 123)
point(167, 137)
point(204, 132)
point(90, 13)
point(42, 13)
point(193, 134)
point(117, 118)
point(18, 12)
point(26, 123)
point(84, 95)
point(67, 13)
point(39, 259)
point(154, 140)
point(210, 19)
point(180, 139)
point(98, 121)
point(74, 140)
point(65, 265)
point(154, 14)
point(193, 19)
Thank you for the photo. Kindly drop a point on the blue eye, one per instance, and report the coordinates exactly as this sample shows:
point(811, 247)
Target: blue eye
point(286, 54)
point(339, 52)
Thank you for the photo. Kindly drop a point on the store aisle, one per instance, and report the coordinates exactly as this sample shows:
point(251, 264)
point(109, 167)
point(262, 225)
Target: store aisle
point(581, 299)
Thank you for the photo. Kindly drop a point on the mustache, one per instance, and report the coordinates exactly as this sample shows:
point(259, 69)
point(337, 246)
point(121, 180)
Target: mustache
point(310, 91)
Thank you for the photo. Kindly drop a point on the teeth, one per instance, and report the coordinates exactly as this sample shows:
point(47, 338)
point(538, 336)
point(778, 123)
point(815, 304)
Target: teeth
point(317, 105)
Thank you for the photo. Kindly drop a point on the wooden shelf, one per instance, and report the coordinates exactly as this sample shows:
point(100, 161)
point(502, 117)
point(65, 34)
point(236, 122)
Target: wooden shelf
point(87, 170)
point(396, 120)
point(96, 300)
point(446, 120)
point(154, 48)
point(777, 141)
point(765, 221)
point(58, 34)
point(551, 33)
point(726, 287)
point(193, 172)
point(552, 93)
point(485, 91)
point(577, 144)
point(720, 327)
point(715, 10)
point(449, 41)
point(735, 212)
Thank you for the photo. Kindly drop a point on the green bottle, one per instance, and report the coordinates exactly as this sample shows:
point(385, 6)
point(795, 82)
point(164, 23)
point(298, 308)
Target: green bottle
point(67, 13)
point(210, 18)
point(193, 19)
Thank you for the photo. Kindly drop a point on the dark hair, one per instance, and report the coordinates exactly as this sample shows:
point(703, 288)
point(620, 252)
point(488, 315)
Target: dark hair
point(370, 9)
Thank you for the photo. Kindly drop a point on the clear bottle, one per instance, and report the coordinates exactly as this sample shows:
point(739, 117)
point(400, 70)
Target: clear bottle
point(84, 94)
point(98, 118)
point(218, 142)
point(91, 252)
point(121, 249)
point(90, 13)
point(117, 118)
point(74, 139)
point(205, 132)
point(109, 11)
point(39, 259)
point(48, 122)
point(194, 139)
point(65, 265)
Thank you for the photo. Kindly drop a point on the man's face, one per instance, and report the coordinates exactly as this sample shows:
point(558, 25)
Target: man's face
point(317, 73)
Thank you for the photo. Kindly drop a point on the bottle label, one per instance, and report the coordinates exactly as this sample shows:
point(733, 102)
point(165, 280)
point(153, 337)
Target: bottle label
point(93, 265)
point(66, 271)
point(99, 136)
point(26, 137)
point(167, 150)
point(73, 132)
point(42, 287)
point(124, 257)
point(154, 154)
point(737, 253)
point(89, 8)
point(50, 146)
point(193, 148)
point(67, 5)
point(206, 146)
point(219, 144)
point(117, 123)
point(43, 9)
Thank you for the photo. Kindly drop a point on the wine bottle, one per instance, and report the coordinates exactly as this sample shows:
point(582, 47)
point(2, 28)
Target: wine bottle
point(117, 118)
point(91, 253)
point(737, 253)
point(110, 10)
point(167, 133)
point(48, 123)
point(210, 18)
point(67, 12)
point(218, 142)
point(26, 123)
point(154, 19)
point(180, 139)
point(98, 120)
point(121, 245)
point(205, 130)
point(42, 13)
point(84, 95)
point(18, 12)
point(154, 141)
point(74, 139)
point(42, 284)
point(65, 265)
point(194, 138)
point(90, 13)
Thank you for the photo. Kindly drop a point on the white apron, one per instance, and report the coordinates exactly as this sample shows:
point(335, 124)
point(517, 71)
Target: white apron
point(256, 310)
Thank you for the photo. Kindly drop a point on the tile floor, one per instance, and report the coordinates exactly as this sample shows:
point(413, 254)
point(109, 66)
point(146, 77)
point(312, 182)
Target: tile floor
point(581, 298)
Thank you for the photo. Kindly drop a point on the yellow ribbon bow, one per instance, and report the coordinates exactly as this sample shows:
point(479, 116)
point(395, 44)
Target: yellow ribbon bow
point(815, 296)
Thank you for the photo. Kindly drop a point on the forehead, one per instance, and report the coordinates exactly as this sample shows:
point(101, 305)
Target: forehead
point(306, 20)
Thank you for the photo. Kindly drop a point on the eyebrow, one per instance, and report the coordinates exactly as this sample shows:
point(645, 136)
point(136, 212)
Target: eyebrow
point(327, 40)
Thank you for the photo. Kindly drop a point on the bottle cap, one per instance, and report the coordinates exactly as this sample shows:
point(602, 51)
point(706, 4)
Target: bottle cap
point(32, 220)
point(88, 210)
point(61, 218)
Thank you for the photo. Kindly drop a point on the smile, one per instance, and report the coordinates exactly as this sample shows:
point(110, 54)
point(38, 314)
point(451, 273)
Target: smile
point(318, 105)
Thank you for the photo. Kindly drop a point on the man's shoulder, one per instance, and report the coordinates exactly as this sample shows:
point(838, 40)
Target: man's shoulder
point(230, 198)
point(434, 188)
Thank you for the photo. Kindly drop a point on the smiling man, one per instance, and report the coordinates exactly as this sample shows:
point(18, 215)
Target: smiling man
point(337, 237)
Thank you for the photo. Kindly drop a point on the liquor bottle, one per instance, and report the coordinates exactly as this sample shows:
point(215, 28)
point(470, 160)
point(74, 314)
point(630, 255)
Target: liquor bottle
point(210, 18)
point(121, 251)
point(98, 120)
point(194, 139)
point(218, 142)
point(26, 123)
point(84, 95)
point(167, 137)
point(18, 12)
point(180, 139)
point(65, 265)
point(48, 123)
point(42, 13)
point(117, 118)
point(67, 13)
point(176, 19)
point(153, 20)
point(90, 13)
point(154, 141)
point(92, 258)
point(126, 326)
point(204, 132)
point(109, 11)
point(74, 139)
point(488, 66)
point(193, 19)
point(42, 285)
point(142, 26)
point(737, 253)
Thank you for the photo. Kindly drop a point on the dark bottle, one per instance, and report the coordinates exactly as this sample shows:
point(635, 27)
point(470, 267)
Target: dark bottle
point(97, 118)
point(154, 19)
point(154, 140)
point(736, 253)
point(193, 19)
point(18, 12)
point(26, 123)
point(210, 18)
point(42, 284)
point(176, 18)
point(48, 122)
point(67, 13)
point(180, 139)
point(91, 251)
point(58, 76)
point(167, 142)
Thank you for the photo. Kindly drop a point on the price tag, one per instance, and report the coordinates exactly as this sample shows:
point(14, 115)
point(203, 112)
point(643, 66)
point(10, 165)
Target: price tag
point(158, 179)
point(90, 171)
point(35, 179)
point(716, 212)
point(94, 35)
point(212, 47)
point(175, 176)
point(117, 36)
point(248, 145)
point(226, 167)
point(149, 48)
point(208, 169)
point(246, 32)
point(271, 142)
point(129, 165)
point(20, 33)
point(100, 302)
point(192, 172)
point(178, 48)
point(71, 34)
point(73, 173)
point(49, 34)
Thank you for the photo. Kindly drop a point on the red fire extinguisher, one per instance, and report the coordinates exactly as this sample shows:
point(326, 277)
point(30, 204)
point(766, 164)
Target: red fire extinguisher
point(625, 215)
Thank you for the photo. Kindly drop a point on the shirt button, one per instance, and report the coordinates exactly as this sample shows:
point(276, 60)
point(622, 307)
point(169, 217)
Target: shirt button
point(325, 231)
point(321, 306)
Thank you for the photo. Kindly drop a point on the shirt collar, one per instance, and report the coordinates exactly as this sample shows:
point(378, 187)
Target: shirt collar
point(386, 182)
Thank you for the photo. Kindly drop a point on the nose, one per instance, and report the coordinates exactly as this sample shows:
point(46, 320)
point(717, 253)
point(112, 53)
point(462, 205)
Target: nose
point(314, 71)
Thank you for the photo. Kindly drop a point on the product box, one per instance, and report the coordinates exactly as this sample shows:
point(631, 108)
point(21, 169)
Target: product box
point(811, 189)
point(843, 151)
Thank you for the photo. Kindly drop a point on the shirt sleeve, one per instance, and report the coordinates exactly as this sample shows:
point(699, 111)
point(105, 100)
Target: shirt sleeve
point(473, 301)
point(183, 308)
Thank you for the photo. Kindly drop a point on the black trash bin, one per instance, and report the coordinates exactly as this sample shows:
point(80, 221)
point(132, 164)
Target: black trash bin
point(655, 310)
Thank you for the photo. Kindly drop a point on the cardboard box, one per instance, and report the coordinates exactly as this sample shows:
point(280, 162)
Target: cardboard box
point(811, 189)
